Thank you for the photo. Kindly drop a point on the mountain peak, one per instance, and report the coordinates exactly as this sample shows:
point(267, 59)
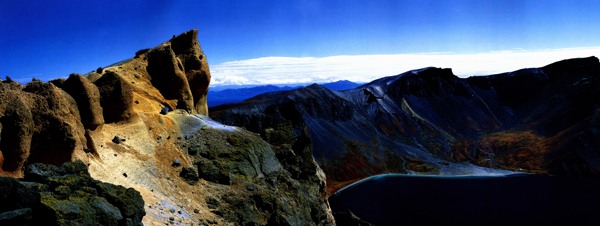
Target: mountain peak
point(432, 72)
point(587, 65)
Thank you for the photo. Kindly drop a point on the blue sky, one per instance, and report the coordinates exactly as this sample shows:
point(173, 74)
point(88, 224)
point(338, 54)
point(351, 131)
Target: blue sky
point(50, 39)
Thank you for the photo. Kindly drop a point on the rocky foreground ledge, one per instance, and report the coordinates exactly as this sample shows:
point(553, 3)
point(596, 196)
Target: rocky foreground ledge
point(66, 195)
point(141, 124)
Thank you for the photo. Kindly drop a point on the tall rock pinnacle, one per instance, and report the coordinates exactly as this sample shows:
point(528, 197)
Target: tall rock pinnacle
point(179, 70)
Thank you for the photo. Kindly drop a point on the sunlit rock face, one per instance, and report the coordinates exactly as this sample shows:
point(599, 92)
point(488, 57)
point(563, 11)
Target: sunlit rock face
point(40, 123)
point(141, 124)
point(541, 120)
point(179, 70)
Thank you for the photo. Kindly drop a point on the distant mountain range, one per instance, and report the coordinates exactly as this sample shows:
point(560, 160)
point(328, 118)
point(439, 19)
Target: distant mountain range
point(538, 120)
point(233, 94)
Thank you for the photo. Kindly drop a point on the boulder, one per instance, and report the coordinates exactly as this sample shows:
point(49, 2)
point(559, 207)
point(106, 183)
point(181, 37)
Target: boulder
point(16, 217)
point(116, 97)
point(116, 140)
point(16, 195)
point(189, 174)
point(66, 195)
point(87, 96)
point(164, 110)
point(127, 200)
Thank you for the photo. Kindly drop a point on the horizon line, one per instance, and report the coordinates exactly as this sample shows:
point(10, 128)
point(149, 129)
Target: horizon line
point(368, 67)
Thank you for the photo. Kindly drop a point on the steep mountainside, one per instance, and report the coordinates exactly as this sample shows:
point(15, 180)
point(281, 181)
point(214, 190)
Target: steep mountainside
point(540, 120)
point(141, 124)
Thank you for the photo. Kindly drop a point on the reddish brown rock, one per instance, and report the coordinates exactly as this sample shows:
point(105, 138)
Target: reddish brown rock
point(17, 127)
point(87, 96)
point(167, 75)
point(187, 48)
point(57, 131)
point(59, 82)
point(116, 97)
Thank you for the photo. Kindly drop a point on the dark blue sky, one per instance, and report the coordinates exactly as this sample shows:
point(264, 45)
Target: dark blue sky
point(49, 39)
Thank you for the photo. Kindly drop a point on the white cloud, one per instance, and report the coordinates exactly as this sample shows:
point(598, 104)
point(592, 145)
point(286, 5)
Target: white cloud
point(365, 68)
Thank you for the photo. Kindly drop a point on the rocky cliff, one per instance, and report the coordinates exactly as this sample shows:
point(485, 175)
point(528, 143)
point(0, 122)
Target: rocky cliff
point(141, 124)
point(539, 120)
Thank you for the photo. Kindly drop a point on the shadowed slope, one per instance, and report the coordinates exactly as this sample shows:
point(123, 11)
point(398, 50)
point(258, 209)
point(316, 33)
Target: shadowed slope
point(430, 121)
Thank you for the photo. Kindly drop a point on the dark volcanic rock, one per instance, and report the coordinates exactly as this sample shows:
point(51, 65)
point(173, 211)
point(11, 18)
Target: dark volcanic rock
point(116, 140)
point(128, 201)
point(176, 163)
point(87, 96)
point(189, 174)
point(16, 195)
point(255, 182)
point(67, 195)
point(116, 97)
point(17, 217)
point(164, 111)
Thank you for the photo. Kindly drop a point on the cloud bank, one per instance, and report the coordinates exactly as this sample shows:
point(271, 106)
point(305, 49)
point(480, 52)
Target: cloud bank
point(365, 68)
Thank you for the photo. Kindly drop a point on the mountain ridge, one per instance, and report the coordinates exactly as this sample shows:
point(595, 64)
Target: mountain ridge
point(233, 95)
point(430, 121)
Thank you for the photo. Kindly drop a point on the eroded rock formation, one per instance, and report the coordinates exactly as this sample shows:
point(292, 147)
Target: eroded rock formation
point(116, 97)
point(136, 124)
point(195, 67)
point(179, 70)
point(40, 123)
point(87, 96)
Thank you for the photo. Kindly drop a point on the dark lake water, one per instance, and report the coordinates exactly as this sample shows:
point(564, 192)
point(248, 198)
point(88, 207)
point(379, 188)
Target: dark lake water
point(520, 199)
